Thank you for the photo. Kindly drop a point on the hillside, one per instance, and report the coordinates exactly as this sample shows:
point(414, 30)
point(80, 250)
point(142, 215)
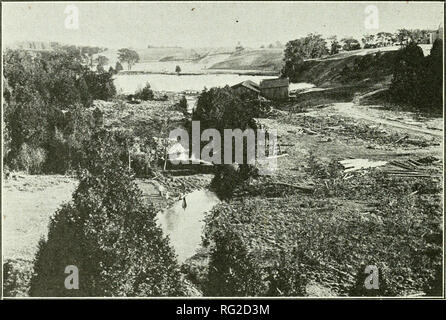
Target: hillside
point(351, 67)
point(262, 59)
point(171, 53)
point(350, 70)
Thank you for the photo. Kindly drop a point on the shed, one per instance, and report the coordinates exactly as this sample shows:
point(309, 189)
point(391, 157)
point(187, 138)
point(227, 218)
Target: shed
point(275, 89)
point(247, 87)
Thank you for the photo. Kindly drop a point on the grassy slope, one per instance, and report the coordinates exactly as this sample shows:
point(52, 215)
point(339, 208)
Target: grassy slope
point(352, 67)
point(349, 70)
point(263, 59)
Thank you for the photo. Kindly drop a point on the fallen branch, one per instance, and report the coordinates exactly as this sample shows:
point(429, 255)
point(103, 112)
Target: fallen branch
point(303, 188)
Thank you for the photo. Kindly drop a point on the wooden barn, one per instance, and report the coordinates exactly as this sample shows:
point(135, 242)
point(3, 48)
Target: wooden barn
point(275, 89)
point(247, 87)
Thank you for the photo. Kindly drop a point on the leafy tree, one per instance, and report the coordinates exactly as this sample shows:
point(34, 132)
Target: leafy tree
point(384, 39)
point(109, 233)
point(334, 46)
point(403, 36)
point(369, 41)
point(145, 93)
point(349, 44)
point(405, 84)
point(101, 61)
point(433, 80)
point(40, 90)
point(311, 46)
point(220, 108)
point(100, 86)
point(418, 80)
point(128, 56)
point(89, 52)
point(417, 36)
point(177, 69)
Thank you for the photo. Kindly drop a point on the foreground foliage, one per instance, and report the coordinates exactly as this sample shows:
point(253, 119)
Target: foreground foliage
point(277, 241)
point(45, 98)
point(109, 234)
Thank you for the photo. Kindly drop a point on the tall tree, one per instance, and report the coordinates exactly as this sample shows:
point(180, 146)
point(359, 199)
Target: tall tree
point(311, 46)
point(109, 234)
point(349, 44)
point(128, 56)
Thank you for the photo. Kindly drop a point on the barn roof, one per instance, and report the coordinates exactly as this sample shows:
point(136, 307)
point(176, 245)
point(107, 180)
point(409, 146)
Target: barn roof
point(248, 84)
point(274, 83)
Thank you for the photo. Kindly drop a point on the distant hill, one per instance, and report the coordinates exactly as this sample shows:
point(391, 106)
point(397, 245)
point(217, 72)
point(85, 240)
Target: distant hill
point(261, 59)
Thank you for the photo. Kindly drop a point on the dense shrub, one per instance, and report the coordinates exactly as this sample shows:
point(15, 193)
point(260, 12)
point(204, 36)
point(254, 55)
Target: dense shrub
point(145, 93)
point(182, 105)
point(232, 272)
point(220, 109)
point(418, 80)
point(285, 277)
point(349, 44)
point(100, 85)
point(41, 91)
point(16, 277)
point(109, 234)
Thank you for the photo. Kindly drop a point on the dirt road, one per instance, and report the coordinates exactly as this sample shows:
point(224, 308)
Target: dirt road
point(399, 120)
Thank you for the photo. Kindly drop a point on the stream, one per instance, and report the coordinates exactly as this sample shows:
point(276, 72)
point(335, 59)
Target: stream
point(185, 226)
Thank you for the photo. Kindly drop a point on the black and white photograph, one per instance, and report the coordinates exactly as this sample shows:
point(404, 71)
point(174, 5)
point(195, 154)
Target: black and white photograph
point(206, 150)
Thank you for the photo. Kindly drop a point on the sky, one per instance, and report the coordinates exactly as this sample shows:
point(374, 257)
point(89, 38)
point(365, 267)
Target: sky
point(206, 24)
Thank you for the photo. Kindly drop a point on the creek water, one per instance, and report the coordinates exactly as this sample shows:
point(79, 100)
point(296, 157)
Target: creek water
point(184, 226)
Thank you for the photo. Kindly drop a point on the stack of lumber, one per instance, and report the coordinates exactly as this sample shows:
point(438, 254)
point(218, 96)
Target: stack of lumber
point(407, 168)
point(358, 164)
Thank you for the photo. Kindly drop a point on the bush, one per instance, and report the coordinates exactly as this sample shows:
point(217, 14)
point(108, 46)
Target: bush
point(349, 44)
point(418, 80)
point(286, 278)
point(16, 277)
point(226, 179)
point(100, 85)
point(145, 93)
point(109, 234)
point(30, 159)
point(232, 272)
point(182, 105)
